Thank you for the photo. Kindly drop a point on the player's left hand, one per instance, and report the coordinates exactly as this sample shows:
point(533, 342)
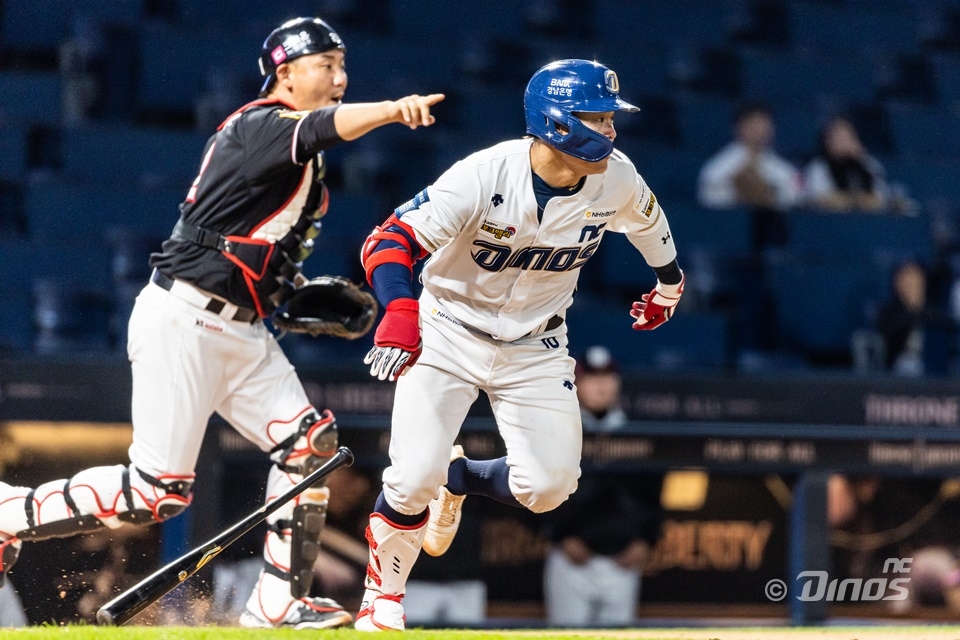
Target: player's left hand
point(656, 307)
point(397, 343)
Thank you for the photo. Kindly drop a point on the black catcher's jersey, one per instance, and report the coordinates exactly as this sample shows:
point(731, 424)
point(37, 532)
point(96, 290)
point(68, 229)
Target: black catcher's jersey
point(260, 174)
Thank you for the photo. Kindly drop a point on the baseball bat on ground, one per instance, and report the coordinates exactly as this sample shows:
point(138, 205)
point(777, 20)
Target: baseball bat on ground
point(155, 586)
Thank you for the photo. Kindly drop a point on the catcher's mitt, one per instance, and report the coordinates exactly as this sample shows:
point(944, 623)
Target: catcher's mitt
point(328, 305)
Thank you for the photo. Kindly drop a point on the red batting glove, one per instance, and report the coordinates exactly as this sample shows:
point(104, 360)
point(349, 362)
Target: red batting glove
point(397, 343)
point(656, 307)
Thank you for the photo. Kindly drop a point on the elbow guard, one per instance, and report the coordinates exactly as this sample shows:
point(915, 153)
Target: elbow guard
point(391, 242)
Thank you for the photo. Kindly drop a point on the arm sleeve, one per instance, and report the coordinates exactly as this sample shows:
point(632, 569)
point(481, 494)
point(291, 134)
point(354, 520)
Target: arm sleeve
point(316, 132)
point(645, 225)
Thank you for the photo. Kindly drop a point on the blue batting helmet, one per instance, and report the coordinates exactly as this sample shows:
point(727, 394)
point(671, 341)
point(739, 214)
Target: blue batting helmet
point(292, 39)
point(563, 88)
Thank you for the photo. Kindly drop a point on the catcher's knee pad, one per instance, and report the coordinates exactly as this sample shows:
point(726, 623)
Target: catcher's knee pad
point(102, 496)
point(310, 445)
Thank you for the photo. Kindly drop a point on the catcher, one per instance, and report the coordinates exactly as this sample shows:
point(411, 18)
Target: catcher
point(197, 343)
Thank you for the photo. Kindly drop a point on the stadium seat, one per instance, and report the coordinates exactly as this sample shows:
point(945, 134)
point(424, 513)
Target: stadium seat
point(82, 212)
point(921, 131)
point(689, 341)
point(13, 150)
point(706, 123)
point(788, 78)
point(132, 156)
point(19, 20)
point(662, 23)
point(819, 304)
point(173, 83)
point(859, 237)
point(851, 29)
point(30, 97)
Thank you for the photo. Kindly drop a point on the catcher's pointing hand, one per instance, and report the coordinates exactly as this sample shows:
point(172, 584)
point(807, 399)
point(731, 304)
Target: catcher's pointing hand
point(414, 111)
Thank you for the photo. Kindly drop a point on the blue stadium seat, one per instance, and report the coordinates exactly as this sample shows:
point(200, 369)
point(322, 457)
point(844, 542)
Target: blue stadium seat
point(661, 23)
point(81, 264)
point(43, 24)
point(29, 97)
point(947, 74)
point(690, 340)
point(83, 212)
point(920, 131)
point(925, 178)
point(855, 28)
point(788, 78)
point(859, 237)
point(174, 64)
point(259, 16)
point(111, 153)
point(13, 150)
point(723, 233)
point(819, 304)
point(428, 19)
point(706, 123)
point(671, 172)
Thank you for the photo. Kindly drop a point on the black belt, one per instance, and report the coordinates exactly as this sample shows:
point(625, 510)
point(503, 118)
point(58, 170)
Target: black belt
point(213, 305)
point(553, 323)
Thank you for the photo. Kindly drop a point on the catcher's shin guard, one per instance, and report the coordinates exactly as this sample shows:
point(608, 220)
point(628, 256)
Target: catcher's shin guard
point(290, 550)
point(96, 497)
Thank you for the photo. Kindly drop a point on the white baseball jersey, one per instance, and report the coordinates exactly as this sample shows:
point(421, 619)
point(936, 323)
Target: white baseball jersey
point(498, 269)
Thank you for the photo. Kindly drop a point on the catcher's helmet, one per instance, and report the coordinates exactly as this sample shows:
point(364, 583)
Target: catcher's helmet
point(292, 39)
point(565, 87)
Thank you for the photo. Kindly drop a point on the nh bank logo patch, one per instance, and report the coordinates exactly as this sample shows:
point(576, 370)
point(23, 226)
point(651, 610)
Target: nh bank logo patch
point(597, 215)
point(499, 230)
point(444, 316)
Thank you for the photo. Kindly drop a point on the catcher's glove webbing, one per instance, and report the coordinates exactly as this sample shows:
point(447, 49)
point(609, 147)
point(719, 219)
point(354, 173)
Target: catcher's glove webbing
point(328, 305)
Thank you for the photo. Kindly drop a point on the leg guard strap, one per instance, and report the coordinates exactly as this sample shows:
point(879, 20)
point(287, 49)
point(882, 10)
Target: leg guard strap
point(58, 529)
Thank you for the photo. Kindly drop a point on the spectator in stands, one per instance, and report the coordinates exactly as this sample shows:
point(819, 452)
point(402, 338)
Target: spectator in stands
point(601, 537)
point(915, 332)
point(749, 173)
point(843, 176)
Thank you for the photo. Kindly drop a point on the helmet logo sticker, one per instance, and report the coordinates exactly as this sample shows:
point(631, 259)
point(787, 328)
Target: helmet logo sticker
point(560, 87)
point(612, 81)
point(278, 55)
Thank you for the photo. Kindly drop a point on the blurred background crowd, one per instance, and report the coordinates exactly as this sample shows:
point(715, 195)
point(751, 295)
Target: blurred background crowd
point(804, 151)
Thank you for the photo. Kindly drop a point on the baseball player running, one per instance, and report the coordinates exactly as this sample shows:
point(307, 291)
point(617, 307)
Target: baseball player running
point(197, 342)
point(507, 230)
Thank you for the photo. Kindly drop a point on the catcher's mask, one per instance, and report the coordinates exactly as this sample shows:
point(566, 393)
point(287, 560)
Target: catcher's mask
point(560, 90)
point(292, 39)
